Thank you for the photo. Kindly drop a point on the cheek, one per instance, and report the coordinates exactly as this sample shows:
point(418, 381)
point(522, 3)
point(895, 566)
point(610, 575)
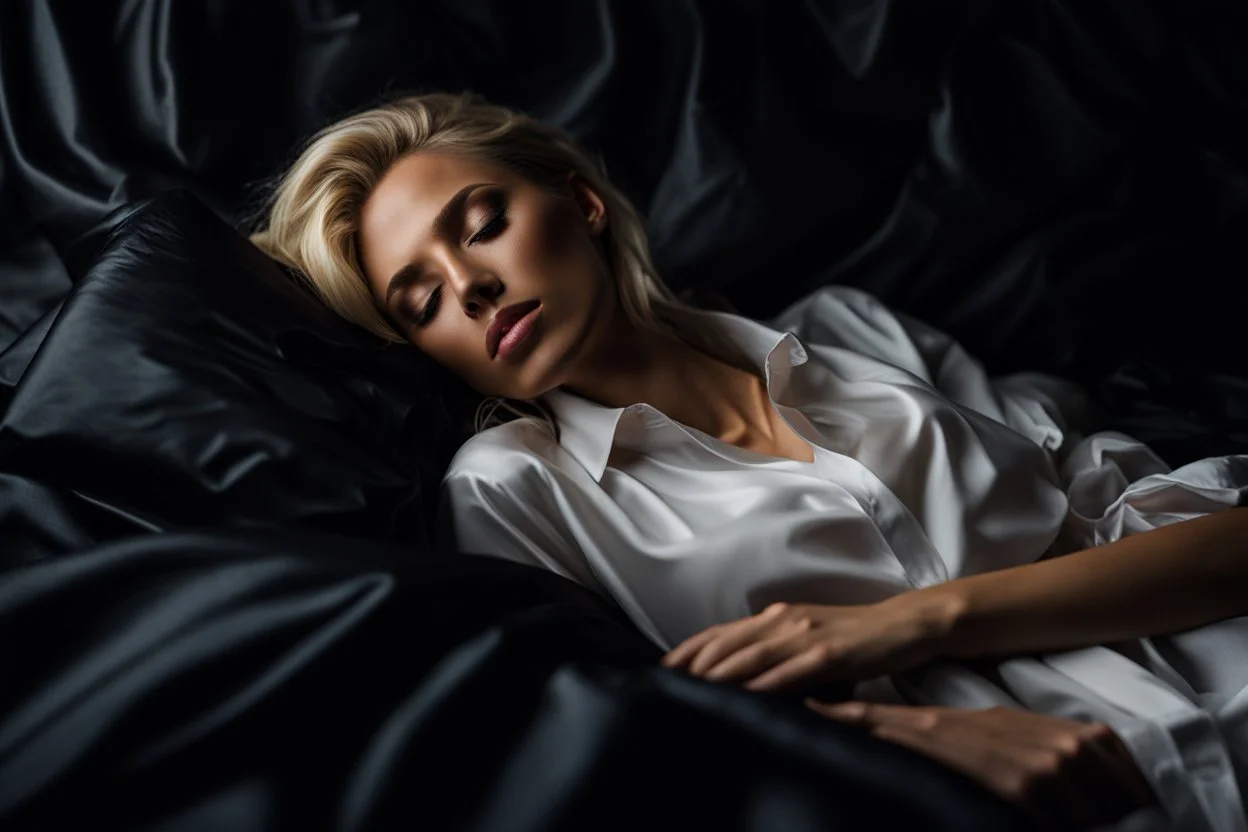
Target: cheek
point(459, 348)
point(558, 241)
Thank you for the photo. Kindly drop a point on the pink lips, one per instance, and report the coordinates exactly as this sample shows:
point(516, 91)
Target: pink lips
point(510, 326)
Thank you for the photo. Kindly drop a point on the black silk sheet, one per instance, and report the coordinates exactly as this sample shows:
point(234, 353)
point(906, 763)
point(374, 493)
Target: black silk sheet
point(1062, 185)
point(220, 607)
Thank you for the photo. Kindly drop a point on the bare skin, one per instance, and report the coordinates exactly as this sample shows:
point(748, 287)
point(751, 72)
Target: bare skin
point(542, 246)
point(508, 241)
point(1066, 774)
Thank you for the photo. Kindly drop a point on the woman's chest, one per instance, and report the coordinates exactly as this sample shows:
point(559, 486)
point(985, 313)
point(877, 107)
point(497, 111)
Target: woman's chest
point(924, 476)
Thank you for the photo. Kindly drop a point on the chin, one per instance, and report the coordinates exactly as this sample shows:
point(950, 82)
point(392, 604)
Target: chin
point(529, 386)
point(544, 367)
point(554, 361)
point(520, 384)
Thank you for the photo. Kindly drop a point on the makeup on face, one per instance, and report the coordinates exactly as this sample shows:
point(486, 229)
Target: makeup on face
point(511, 327)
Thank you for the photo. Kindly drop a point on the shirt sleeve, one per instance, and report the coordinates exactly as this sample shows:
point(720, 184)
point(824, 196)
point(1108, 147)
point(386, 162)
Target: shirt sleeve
point(1042, 407)
point(499, 499)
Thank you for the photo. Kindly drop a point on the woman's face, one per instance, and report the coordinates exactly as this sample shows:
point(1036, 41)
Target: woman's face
point(496, 279)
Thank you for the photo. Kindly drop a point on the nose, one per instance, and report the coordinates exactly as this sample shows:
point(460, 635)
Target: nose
point(475, 288)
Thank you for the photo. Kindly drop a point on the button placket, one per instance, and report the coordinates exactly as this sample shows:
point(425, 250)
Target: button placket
point(922, 563)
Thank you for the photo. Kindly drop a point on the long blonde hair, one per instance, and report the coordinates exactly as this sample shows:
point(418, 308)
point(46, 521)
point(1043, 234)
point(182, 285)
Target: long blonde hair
point(311, 220)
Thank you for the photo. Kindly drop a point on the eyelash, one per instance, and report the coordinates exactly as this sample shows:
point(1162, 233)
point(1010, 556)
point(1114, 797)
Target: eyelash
point(430, 309)
point(492, 228)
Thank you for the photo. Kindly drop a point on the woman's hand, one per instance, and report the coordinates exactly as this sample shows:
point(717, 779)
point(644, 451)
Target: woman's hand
point(1067, 775)
point(788, 647)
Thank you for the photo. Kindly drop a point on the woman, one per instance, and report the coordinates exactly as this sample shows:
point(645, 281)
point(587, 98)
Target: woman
point(840, 495)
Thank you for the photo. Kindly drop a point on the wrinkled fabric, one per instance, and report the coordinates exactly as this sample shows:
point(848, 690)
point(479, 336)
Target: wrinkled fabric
point(1004, 169)
point(200, 629)
point(283, 680)
point(1008, 171)
point(188, 382)
point(924, 470)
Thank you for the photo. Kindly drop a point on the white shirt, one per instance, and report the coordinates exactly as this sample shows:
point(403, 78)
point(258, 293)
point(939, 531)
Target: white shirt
point(925, 469)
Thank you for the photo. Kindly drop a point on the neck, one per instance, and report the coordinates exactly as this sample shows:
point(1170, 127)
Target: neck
point(635, 365)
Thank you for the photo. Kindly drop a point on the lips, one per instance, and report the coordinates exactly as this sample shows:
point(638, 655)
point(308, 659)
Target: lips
point(503, 321)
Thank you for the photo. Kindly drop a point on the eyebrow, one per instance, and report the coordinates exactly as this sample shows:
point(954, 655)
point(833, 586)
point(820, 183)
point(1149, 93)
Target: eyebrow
point(409, 274)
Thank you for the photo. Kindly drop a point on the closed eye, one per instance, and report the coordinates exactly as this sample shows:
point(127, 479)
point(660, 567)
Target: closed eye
point(430, 309)
point(491, 229)
point(496, 224)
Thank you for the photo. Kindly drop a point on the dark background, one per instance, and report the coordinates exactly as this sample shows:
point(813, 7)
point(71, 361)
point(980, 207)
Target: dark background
point(1061, 185)
point(218, 603)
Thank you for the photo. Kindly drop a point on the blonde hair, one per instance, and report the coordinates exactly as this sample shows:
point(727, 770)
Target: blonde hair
point(311, 220)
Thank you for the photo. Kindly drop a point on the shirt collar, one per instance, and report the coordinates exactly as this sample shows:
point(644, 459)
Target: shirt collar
point(587, 430)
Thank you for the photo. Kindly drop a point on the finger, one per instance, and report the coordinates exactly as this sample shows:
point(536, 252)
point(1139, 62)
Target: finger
point(802, 665)
point(848, 711)
point(1098, 784)
point(1057, 802)
point(968, 735)
point(687, 649)
point(1073, 794)
point(949, 751)
point(870, 714)
point(757, 658)
point(1118, 756)
point(1057, 791)
point(964, 745)
point(1109, 778)
point(972, 761)
point(1081, 788)
point(732, 638)
point(1064, 798)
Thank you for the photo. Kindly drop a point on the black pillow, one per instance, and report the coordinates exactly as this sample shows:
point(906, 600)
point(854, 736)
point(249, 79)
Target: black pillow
point(189, 382)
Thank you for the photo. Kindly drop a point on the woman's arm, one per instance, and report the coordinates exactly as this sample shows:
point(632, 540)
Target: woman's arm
point(1162, 581)
point(498, 499)
point(1170, 579)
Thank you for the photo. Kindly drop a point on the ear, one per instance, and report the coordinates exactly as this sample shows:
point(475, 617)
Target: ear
point(588, 203)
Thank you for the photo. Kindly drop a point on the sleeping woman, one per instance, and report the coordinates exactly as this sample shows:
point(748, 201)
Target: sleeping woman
point(837, 495)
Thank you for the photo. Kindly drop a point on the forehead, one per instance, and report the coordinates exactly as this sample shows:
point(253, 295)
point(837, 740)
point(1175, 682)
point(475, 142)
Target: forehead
point(397, 218)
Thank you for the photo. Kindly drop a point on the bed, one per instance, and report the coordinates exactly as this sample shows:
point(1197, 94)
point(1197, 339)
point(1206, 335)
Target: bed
point(221, 602)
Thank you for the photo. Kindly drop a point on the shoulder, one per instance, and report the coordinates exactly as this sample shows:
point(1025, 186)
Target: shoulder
point(504, 495)
point(515, 451)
